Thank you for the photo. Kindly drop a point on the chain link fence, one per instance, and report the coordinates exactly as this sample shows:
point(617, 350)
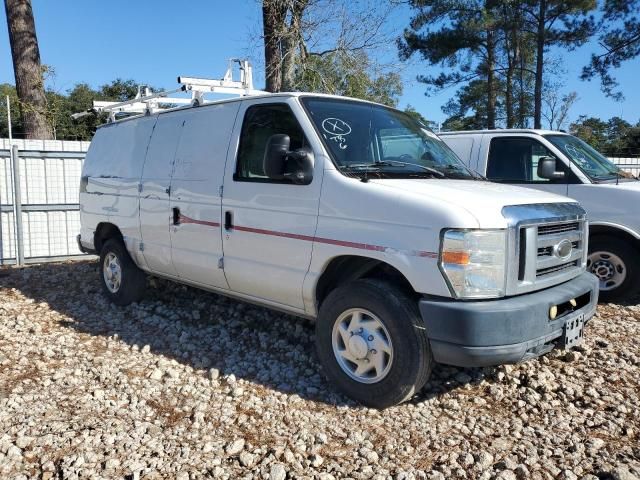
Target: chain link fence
point(40, 219)
point(628, 164)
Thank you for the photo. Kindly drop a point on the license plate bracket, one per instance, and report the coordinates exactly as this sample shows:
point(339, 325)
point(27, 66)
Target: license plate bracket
point(573, 332)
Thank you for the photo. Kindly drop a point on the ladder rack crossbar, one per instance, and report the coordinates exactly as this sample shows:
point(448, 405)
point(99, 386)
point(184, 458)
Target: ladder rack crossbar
point(147, 103)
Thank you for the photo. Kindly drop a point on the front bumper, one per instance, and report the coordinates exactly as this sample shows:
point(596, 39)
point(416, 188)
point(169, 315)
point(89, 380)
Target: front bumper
point(82, 247)
point(511, 330)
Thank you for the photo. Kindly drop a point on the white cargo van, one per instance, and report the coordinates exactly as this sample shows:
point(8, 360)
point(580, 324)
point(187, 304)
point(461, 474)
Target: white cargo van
point(561, 163)
point(346, 212)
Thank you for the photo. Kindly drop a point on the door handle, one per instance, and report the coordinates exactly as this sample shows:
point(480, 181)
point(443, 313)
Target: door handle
point(228, 220)
point(176, 215)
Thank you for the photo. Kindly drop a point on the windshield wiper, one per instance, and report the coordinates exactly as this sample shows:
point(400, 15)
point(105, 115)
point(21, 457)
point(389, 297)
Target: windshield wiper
point(475, 175)
point(397, 163)
point(391, 163)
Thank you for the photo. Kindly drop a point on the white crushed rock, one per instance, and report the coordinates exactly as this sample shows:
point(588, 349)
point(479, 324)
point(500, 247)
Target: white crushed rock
point(193, 385)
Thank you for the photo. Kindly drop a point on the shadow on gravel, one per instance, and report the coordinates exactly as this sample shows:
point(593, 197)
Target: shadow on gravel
point(205, 331)
point(628, 302)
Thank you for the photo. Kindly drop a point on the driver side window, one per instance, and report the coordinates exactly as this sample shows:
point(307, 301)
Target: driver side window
point(515, 160)
point(260, 123)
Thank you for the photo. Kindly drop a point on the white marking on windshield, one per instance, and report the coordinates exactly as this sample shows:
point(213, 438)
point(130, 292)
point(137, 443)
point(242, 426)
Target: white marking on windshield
point(337, 130)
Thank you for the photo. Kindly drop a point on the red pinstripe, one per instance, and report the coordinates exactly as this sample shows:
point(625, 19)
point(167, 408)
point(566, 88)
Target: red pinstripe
point(308, 238)
point(185, 219)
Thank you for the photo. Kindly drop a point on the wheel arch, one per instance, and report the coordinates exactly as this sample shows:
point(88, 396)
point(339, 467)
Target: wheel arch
point(346, 268)
point(105, 231)
point(615, 231)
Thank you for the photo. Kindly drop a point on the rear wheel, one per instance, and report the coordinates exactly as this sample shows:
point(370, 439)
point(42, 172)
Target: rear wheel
point(614, 262)
point(371, 343)
point(122, 281)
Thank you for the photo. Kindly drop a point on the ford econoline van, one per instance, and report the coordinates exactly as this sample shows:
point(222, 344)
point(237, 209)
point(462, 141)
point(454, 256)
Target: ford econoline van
point(561, 163)
point(343, 211)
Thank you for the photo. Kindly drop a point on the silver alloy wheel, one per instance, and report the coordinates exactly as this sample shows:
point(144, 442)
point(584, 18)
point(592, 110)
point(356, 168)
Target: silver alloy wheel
point(362, 345)
point(112, 272)
point(609, 268)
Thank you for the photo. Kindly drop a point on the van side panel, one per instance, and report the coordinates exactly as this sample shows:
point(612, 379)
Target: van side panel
point(380, 225)
point(111, 174)
point(196, 240)
point(155, 215)
point(463, 148)
point(268, 250)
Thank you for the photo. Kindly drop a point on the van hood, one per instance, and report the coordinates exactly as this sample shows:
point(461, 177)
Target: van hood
point(623, 185)
point(484, 200)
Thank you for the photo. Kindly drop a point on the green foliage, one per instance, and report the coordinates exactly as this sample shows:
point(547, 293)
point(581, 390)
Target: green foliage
point(119, 90)
point(620, 38)
point(16, 117)
point(409, 110)
point(350, 74)
point(467, 110)
point(494, 51)
point(458, 34)
point(615, 137)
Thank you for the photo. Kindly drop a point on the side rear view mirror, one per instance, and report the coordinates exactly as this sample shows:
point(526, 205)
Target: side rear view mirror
point(547, 168)
point(282, 164)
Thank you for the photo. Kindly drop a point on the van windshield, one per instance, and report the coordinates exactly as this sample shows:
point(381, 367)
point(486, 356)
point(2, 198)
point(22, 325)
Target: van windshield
point(588, 159)
point(375, 141)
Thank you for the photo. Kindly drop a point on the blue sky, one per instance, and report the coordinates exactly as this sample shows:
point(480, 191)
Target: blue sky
point(154, 41)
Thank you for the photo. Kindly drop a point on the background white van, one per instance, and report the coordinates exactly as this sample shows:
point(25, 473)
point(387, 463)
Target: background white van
point(561, 163)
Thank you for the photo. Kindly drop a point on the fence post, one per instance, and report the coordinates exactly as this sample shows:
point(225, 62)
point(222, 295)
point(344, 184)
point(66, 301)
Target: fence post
point(17, 206)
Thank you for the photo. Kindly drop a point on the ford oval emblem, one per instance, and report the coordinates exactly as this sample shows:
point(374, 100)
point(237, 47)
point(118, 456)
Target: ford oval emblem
point(563, 249)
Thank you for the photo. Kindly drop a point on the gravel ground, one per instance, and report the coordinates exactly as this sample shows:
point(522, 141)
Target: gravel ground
point(190, 385)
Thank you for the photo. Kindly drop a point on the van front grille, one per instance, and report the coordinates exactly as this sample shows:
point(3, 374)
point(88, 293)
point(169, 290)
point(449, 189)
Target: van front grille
point(558, 268)
point(559, 228)
point(548, 259)
point(549, 245)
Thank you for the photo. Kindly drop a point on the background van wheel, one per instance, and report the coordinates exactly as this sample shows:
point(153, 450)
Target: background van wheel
point(615, 263)
point(122, 281)
point(371, 343)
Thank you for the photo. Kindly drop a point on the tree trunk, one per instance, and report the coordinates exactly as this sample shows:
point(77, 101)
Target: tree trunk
point(273, 19)
point(491, 90)
point(508, 99)
point(27, 68)
point(522, 98)
point(540, 44)
point(292, 46)
point(513, 53)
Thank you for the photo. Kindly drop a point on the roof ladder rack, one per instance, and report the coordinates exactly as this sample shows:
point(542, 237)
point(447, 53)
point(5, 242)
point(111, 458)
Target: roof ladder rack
point(147, 103)
point(201, 86)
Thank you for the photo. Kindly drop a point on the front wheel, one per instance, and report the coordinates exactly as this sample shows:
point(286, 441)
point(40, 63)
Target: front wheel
point(122, 281)
point(614, 262)
point(371, 343)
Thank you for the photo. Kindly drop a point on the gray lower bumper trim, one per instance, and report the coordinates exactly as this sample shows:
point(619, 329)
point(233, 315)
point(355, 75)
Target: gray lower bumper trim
point(82, 248)
point(502, 331)
point(465, 356)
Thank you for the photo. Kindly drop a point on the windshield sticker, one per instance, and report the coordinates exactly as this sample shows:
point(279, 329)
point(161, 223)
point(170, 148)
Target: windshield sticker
point(577, 154)
point(337, 130)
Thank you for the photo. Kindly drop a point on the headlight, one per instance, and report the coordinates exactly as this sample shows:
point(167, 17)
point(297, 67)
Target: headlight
point(474, 262)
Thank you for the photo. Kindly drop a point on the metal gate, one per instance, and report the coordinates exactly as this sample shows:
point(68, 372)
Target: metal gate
point(628, 164)
point(39, 220)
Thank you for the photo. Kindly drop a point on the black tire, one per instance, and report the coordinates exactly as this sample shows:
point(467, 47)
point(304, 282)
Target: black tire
point(133, 280)
point(412, 360)
point(629, 256)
